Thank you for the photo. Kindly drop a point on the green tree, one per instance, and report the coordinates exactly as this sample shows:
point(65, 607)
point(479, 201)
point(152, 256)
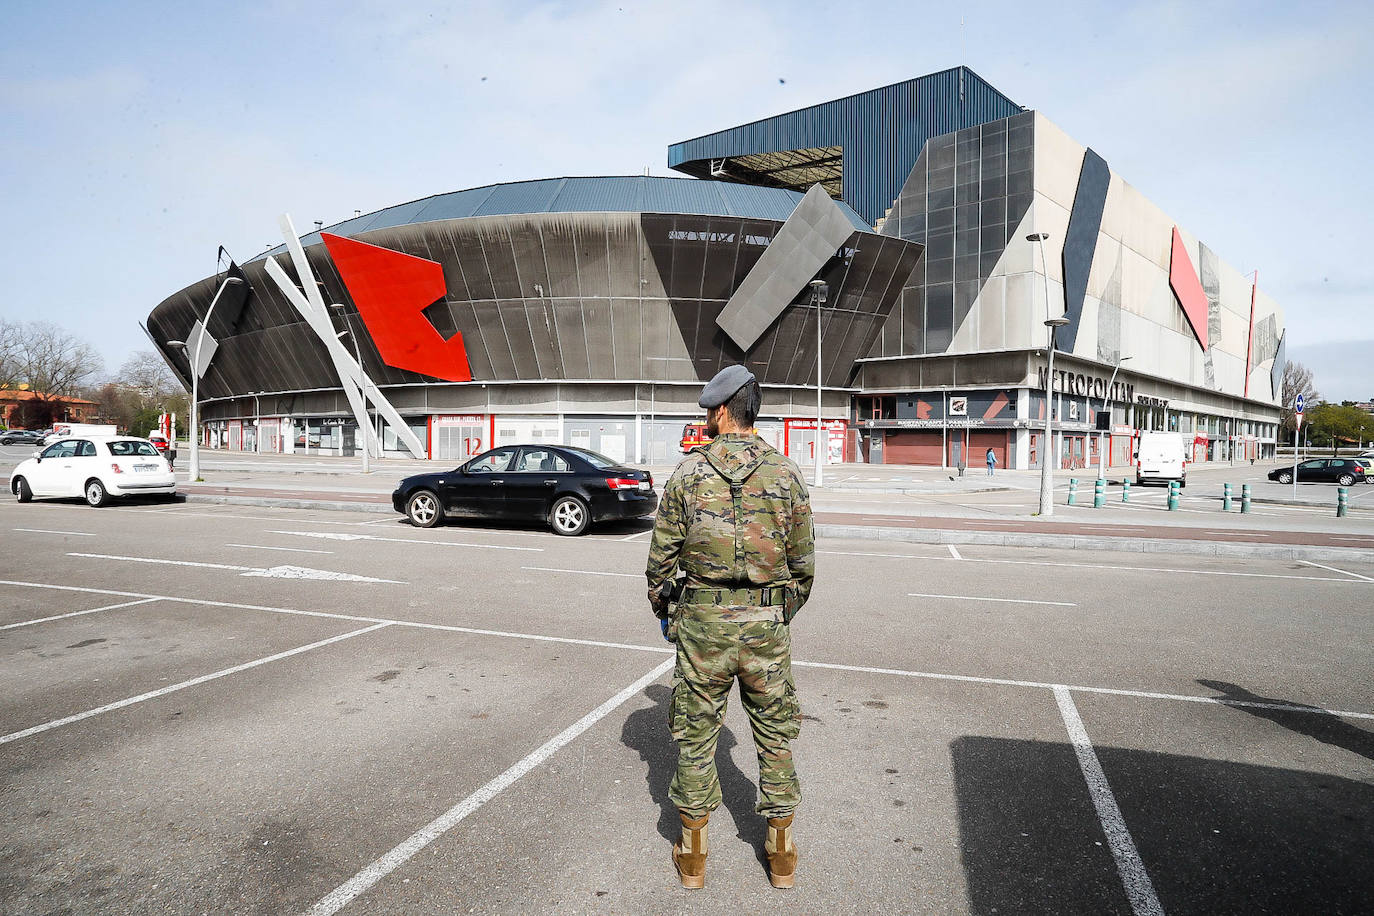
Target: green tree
point(1338, 425)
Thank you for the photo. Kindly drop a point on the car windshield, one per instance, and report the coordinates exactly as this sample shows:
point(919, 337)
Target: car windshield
point(127, 447)
point(595, 459)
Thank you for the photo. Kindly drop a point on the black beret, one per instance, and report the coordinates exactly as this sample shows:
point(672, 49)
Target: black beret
point(723, 387)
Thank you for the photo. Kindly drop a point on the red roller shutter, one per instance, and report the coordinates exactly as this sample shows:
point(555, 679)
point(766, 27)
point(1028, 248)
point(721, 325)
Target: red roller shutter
point(912, 447)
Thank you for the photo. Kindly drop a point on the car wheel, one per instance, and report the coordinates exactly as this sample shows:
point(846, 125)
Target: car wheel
point(1286, 477)
point(1345, 480)
point(423, 509)
point(96, 494)
point(569, 516)
point(22, 491)
point(1183, 482)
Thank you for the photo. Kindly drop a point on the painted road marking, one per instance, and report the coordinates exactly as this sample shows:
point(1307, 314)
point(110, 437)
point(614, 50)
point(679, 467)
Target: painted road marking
point(350, 536)
point(1342, 571)
point(979, 598)
point(83, 534)
point(289, 549)
point(662, 649)
point(172, 688)
point(863, 553)
point(1050, 563)
point(257, 572)
point(1139, 888)
point(584, 572)
point(360, 883)
point(954, 551)
point(637, 534)
point(108, 607)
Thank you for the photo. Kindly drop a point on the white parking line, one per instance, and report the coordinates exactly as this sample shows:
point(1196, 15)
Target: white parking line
point(108, 607)
point(980, 598)
point(1050, 563)
point(361, 882)
point(637, 534)
point(255, 572)
point(1334, 569)
point(954, 551)
point(584, 572)
point(350, 536)
point(664, 648)
point(288, 549)
point(865, 553)
point(172, 688)
point(1139, 888)
point(83, 534)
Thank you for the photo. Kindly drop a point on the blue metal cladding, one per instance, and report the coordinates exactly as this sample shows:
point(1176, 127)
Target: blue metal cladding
point(881, 132)
point(613, 194)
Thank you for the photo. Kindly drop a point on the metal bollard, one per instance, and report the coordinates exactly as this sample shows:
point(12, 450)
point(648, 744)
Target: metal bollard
point(1342, 502)
point(1244, 498)
point(1099, 493)
point(1173, 495)
point(1125, 491)
point(1226, 497)
point(1073, 489)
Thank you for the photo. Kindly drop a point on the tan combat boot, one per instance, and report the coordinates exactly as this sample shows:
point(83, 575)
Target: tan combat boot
point(782, 852)
point(689, 855)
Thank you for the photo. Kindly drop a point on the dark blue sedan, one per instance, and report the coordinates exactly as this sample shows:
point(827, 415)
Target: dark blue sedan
point(568, 488)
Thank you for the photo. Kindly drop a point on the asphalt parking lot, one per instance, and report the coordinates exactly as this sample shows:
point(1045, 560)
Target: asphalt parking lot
point(223, 709)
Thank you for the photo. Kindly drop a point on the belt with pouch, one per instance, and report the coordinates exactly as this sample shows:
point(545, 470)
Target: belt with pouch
point(737, 605)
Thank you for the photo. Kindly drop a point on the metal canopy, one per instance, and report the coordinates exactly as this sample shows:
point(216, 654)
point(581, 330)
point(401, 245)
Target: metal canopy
point(795, 169)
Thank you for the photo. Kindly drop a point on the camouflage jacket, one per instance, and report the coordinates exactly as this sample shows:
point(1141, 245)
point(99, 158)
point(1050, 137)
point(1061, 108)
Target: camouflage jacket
point(770, 542)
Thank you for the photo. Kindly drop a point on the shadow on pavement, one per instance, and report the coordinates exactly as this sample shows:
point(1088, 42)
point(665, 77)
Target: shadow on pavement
point(646, 732)
point(1214, 836)
point(1316, 723)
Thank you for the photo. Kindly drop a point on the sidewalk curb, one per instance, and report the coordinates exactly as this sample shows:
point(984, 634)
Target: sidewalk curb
point(933, 535)
point(1082, 542)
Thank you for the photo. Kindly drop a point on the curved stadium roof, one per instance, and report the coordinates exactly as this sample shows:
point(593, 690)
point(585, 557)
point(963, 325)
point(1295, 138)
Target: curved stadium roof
point(614, 194)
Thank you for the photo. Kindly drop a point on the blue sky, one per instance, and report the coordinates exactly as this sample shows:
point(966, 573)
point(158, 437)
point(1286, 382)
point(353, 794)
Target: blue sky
point(138, 137)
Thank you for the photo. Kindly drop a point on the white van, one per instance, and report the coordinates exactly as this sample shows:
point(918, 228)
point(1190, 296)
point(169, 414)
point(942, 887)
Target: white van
point(68, 430)
point(1161, 457)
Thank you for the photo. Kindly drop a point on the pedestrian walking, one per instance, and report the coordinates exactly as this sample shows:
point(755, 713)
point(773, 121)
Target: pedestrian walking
point(992, 461)
point(734, 533)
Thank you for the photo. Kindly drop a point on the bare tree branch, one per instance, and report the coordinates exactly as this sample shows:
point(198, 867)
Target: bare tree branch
point(1297, 380)
point(53, 362)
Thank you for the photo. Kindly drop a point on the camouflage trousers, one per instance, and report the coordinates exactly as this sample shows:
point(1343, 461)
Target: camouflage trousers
point(711, 654)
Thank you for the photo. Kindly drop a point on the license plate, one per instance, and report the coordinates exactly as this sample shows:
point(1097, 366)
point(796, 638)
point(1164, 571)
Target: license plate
point(145, 467)
point(644, 486)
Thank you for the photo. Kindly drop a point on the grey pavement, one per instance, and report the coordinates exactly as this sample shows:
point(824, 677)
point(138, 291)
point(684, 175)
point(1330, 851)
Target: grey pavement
point(506, 686)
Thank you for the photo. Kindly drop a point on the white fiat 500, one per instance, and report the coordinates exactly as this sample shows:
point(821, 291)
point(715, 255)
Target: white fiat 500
point(96, 467)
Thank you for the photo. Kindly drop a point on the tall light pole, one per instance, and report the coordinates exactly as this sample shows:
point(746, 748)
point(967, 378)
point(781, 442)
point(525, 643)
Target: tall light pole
point(1046, 473)
point(358, 357)
point(193, 431)
point(1101, 452)
point(818, 291)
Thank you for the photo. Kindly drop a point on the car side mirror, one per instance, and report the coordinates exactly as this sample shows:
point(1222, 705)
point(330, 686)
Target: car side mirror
point(38, 455)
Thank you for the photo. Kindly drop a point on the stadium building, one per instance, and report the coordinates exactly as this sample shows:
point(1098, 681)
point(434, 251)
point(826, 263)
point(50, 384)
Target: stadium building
point(590, 310)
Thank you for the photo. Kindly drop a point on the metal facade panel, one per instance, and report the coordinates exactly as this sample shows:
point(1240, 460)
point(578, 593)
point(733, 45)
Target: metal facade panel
point(806, 241)
point(1080, 241)
point(520, 197)
point(881, 132)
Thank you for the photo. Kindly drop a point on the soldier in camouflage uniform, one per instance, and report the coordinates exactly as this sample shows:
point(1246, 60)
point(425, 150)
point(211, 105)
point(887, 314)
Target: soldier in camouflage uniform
point(735, 524)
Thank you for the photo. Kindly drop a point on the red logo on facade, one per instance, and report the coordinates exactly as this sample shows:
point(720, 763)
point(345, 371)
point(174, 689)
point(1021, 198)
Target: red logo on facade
point(392, 290)
point(1188, 288)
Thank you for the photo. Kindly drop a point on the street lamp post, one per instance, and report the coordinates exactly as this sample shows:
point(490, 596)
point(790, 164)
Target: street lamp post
point(1101, 452)
point(1046, 473)
point(818, 291)
point(257, 423)
point(194, 429)
point(358, 357)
